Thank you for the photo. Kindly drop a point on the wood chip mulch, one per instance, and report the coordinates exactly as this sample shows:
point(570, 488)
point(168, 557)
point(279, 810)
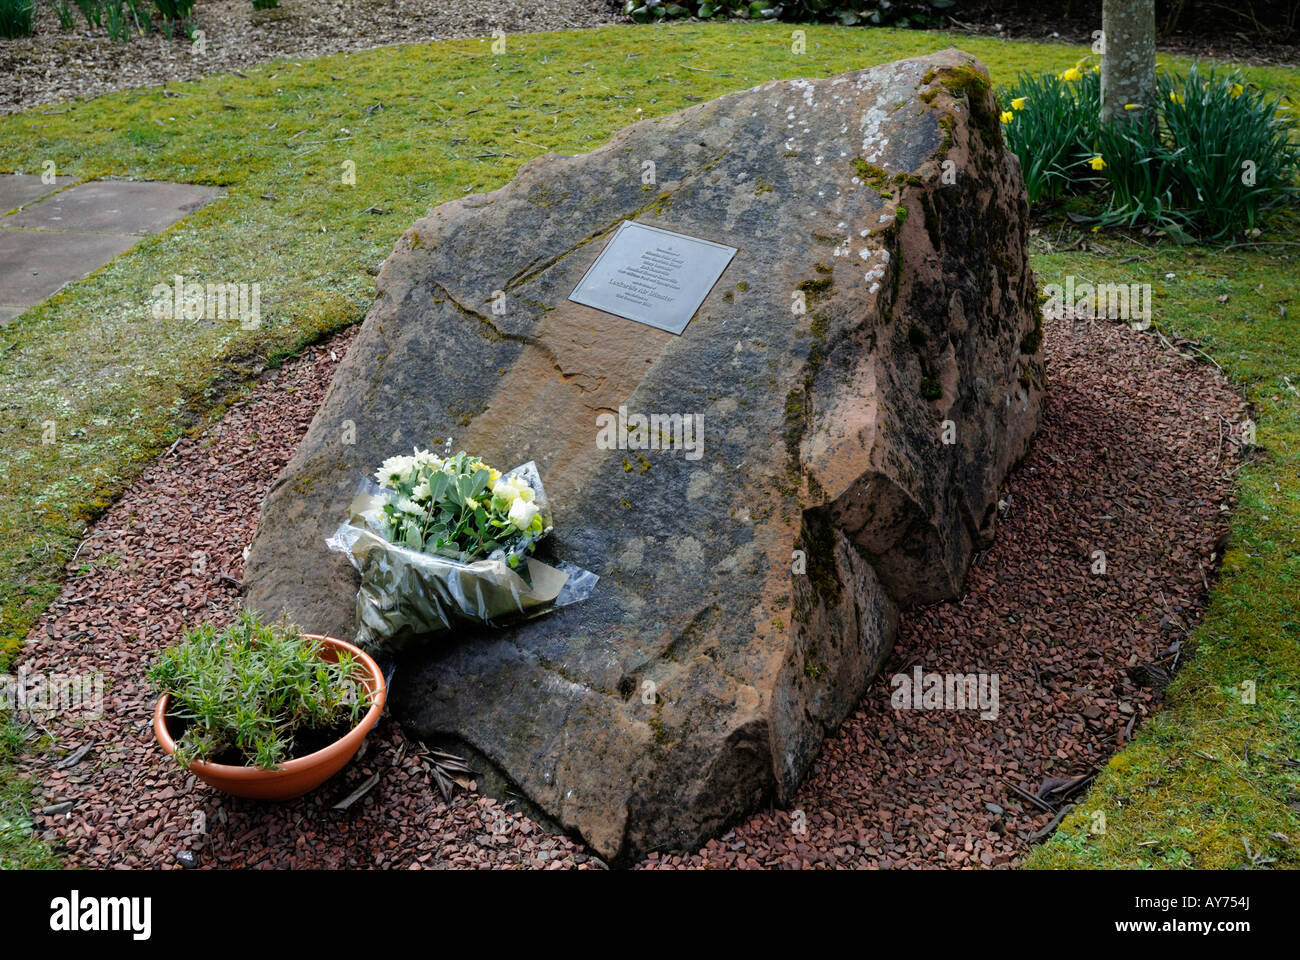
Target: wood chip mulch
point(55, 65)
point(1135, 457)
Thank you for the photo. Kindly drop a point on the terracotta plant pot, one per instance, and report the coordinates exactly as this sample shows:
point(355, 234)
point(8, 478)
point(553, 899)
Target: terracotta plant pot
point(302, 774)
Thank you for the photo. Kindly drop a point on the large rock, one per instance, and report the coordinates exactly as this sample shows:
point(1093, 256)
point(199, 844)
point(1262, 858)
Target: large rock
point(870, 433)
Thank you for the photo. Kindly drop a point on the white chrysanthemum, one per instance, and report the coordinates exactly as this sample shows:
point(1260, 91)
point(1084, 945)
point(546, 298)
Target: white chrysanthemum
point(394, 470)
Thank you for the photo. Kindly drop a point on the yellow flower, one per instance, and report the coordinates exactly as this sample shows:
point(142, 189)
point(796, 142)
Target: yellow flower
point(1007, 116)
point(1019, 103)
point(1096, 68)
point(1097, 163)
point(1072, 75)
point(1175, 96)
point(1236, 90)
point(1132, 106)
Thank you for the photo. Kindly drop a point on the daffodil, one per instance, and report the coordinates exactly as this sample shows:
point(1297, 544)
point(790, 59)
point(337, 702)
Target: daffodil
point(1132, 106)
point(1175, 96)
point(1019, 103)
point(1236, 90)
point(1007, 116)
point(1072, 75)
point(1097, 163)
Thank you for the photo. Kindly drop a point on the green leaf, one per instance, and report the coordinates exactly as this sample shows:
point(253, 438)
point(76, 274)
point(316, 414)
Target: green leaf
point(438, 486)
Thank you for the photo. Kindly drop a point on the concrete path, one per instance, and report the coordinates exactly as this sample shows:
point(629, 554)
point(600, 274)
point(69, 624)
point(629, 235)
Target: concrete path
point(53, 234)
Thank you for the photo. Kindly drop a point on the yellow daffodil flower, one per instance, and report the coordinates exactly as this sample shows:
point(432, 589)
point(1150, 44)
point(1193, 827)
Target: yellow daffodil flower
point(1072, 75)
point(1019, 103)
point(1007, 116)
point(1097, 163)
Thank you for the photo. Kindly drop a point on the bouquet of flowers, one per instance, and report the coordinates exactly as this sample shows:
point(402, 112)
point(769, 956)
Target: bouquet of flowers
point(460, 507)
point(444, 540)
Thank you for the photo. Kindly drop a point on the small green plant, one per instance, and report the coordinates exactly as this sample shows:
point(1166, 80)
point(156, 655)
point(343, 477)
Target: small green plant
point(140, 15)
point(64, 12)
point(91, 12)
point(115, 22)
point(174, 9)
point(253, 690)
point(16, 18)
point(173, 13)
point(265, 4)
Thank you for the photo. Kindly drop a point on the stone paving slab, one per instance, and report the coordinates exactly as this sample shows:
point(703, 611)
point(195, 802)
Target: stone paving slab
point(20, 189)
point(59, 237)
point(35, 263)
point(114, 206)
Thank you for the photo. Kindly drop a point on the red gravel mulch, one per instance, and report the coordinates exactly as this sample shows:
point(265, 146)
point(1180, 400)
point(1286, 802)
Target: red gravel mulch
point(1133, 458)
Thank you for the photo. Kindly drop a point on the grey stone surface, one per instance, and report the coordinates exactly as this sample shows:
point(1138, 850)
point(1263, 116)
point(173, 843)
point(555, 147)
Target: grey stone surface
point(702, 676)
point(61, 238)
point(114, 206)
point(18, 189)
point(36, 263)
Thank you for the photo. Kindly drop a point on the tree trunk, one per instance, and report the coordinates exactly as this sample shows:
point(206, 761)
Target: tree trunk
point(1128, 63)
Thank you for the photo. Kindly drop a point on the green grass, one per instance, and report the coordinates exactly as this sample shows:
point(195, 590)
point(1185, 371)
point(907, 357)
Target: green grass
point(120, 386)
point(1208, 771)
point(18, 849)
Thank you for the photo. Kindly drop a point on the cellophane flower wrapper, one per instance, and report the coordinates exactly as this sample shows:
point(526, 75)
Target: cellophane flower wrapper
point(408, 598)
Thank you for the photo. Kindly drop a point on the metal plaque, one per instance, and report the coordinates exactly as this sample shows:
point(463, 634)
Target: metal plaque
point(653, 276)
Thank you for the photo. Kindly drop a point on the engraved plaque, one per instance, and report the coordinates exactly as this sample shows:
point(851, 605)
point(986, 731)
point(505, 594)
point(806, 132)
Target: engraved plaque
point(653, 276)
